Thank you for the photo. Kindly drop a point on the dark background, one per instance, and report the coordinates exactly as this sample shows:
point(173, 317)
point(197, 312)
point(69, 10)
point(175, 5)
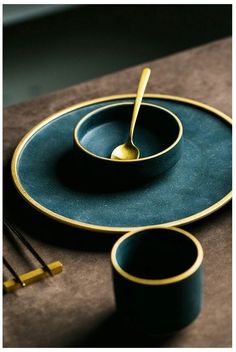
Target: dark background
point(49, 47)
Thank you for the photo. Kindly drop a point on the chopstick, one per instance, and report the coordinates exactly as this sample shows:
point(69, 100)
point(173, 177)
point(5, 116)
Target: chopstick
point(14, 273)
point(13, 231)
point(32, 276)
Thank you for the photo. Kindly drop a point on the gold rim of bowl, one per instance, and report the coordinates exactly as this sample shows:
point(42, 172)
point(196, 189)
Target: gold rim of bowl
point(169, 280)
point(101, 228)
point(90, 114)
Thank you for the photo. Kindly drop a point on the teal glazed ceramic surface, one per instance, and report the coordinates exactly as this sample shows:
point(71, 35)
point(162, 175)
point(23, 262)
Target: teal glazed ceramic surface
point(47, 176)
point(158, 135)
point(158, 279)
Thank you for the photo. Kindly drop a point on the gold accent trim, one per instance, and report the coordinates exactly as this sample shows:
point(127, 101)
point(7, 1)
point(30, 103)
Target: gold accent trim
point(32, 276)
point(169, 280)
point(107, 229)
point(79, 145)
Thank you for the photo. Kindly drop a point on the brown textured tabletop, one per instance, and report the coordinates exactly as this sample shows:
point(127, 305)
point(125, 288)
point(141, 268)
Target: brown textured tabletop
point(76, 308)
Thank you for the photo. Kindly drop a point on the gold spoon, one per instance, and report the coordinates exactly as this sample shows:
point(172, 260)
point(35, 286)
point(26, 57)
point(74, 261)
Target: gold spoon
point(128, 150)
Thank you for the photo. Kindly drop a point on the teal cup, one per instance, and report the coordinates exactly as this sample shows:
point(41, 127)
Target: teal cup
point(158, 278)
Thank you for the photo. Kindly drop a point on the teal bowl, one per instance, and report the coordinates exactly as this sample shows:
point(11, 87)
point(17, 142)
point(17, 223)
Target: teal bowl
point(158, 279)
point(158, 135)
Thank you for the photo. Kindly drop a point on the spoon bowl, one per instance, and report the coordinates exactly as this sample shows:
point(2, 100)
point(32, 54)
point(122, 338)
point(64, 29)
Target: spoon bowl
point(127, 151)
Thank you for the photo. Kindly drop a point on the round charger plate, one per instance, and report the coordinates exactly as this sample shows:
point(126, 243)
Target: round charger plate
point(198, 185)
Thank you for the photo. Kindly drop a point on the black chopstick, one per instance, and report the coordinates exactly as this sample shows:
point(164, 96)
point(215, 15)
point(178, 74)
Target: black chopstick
point(13, 231)
point(14, 273)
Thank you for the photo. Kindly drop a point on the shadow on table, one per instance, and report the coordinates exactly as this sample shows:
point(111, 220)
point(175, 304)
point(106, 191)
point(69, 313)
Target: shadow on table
point(111, 332)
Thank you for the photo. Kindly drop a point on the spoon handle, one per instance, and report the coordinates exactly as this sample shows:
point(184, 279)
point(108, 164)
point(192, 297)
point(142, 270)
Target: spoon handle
point(139, 96)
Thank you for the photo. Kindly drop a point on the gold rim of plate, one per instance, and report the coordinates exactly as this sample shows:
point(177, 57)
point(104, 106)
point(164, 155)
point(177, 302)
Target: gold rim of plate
point(110, 229)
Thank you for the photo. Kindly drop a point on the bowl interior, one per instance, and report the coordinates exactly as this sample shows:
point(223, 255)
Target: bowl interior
point(156, 254)
point(105, 129)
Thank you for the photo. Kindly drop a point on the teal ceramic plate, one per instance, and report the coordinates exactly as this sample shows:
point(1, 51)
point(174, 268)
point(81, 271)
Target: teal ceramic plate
point(198, 185)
